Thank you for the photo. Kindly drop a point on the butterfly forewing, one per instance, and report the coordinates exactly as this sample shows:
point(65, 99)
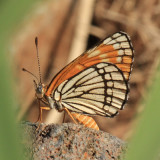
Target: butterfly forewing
point(100, 89)
point(116, 49)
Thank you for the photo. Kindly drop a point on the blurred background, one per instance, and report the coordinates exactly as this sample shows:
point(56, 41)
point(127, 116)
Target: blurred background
point(65, 29)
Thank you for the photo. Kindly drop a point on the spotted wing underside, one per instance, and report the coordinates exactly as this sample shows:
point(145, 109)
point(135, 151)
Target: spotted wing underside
point(98, 90)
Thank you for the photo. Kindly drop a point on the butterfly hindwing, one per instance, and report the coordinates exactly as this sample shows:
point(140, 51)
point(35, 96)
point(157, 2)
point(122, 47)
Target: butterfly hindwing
point(100, 89)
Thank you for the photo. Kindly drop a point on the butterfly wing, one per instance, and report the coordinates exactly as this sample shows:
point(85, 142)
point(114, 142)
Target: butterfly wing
point(100, 89)
point(85, 120)
point(116, 49)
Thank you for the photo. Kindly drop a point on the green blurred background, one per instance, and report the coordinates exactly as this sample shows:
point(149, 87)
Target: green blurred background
point(11, 14)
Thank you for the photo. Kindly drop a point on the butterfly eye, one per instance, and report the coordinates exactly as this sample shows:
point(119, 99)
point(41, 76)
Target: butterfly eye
point(39, 89)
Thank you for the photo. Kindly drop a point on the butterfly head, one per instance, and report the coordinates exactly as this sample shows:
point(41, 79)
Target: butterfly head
point(40, 89)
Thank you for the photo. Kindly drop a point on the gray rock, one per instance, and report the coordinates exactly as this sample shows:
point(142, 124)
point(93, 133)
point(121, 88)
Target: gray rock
point(69, 141)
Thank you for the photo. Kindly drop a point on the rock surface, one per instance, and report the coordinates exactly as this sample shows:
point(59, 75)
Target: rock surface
point(69, 141)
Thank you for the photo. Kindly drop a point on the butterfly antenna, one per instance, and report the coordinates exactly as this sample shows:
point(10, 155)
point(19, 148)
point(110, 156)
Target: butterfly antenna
point(36, 43)
point(25, 70)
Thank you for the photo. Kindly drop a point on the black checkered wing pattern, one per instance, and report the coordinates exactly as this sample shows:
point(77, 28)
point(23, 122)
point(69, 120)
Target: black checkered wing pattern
point(98, 90)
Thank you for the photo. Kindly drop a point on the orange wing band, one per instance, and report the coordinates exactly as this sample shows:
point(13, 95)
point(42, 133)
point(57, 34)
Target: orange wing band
point(85, 120)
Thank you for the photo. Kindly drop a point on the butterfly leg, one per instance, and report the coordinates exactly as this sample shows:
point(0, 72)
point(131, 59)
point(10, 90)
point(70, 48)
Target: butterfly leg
point(41, 109)
point(40, 115)
point(69, 113)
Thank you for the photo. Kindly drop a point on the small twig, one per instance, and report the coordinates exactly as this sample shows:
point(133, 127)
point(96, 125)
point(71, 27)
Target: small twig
point(84, 19)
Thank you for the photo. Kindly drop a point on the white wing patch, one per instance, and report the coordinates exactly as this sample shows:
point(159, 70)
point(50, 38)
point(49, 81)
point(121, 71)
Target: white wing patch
point(98, 90)
point(116, 38)
point(119, 41)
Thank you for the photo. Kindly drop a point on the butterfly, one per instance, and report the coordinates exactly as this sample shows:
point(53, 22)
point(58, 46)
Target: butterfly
point(95, 83)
